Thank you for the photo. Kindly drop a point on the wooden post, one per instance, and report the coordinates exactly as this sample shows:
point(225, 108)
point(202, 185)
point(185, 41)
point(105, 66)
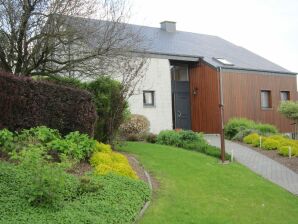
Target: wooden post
point(221, 105)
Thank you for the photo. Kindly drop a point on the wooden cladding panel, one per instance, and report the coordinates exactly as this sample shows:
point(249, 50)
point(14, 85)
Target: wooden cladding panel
point(242, 96)
point(205, 114)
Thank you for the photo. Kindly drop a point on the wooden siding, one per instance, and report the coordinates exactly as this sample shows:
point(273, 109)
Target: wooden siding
point(242, 96)
point(205, 114)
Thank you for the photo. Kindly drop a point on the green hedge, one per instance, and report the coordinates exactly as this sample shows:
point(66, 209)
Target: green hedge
point(188, 140)
point(238, 128)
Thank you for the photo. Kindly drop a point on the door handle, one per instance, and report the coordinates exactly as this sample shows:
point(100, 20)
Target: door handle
point(179, 113)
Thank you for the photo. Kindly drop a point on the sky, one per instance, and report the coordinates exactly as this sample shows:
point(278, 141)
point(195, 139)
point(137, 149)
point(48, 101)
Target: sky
point(269, 28)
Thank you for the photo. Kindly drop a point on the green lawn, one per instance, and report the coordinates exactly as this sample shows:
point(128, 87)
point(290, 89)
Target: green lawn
point(194, 188)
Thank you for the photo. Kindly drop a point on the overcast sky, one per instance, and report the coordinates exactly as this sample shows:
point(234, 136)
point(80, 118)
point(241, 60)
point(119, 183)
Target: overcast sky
point(266, 27)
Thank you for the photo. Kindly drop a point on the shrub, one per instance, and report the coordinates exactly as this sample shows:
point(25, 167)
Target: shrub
point(235, 125)
point(111, 107)
point(101, 147)
point(270, 144)
point(151, 138)
point(26, 103)
point(40, 134)
point(168, 137)
point(252, 139)
point(266, 129)
point(6, 141)
point(237, 128)
point(112, 162)
point(184, 139)
point(243, 133)
point(75, 145)
point(84, 144)
point(284, 150)
point(137, 126)
point(188, 140)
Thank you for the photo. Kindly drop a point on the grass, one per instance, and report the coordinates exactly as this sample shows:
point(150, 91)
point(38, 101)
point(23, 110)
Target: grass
point(117, 200)
point(195, 188)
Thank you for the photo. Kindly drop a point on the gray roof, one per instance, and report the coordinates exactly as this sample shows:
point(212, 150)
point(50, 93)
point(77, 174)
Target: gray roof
point(206, 46)
point(193, 45)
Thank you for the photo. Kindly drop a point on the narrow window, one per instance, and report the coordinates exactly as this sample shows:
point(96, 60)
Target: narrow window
point(266, 100)
point(148, 98)
point(284, 95)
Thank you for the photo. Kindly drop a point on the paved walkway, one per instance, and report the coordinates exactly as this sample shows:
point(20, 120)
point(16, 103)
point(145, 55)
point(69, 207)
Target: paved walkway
point(260, 164)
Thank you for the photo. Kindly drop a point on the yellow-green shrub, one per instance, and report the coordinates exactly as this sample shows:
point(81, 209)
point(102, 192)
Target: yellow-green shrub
point(101, 158)
point(101, 147)
point(270, 144)
point(112, 162)
point(252, 139)
point(284, 150)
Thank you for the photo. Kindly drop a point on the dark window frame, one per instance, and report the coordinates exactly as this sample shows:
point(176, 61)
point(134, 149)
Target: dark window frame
point(152, 92)
point(288, 95)
point(269, 98)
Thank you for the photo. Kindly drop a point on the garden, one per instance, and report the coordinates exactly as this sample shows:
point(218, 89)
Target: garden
point(266, 139)
point(63, 159)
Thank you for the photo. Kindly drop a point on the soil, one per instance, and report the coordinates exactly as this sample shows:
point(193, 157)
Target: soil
point(80, 169)
point(291, 163)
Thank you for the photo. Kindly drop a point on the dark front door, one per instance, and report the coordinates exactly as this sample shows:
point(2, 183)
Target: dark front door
point(181, 104)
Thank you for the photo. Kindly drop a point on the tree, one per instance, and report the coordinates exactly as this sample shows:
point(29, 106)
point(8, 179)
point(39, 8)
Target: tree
point(290, 110)
point(59, 37)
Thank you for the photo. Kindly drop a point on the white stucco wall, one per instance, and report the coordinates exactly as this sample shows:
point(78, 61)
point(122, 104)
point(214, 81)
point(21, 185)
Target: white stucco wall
point(158, 79)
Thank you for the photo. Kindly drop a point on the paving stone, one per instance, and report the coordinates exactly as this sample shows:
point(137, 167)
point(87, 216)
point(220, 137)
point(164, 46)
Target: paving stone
point(260, 164)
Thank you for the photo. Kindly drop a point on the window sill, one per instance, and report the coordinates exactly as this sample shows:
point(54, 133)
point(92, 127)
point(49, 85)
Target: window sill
point(267, 109)
point(149, 106)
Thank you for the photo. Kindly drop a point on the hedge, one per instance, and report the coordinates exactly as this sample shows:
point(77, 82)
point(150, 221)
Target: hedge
point(26, 103)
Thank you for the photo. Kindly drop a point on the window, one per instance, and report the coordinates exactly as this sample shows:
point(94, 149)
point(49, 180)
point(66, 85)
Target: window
point(266, 101)
point(148, 98)
point(223, 61)
point(284, 95)
point(179, 72)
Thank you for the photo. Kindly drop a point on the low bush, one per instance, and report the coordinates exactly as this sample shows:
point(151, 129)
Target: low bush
point(135, 128)
point(75, 145)
point(101, 147)
point(40, 134)
point(111, 162)
point(285, 150)
point(168, 137)
point(238, 128)
point(235, 125)
point(252, 139)
point(188, 140)
point(270, 144)
point(243, 133)
point(266, 129)
point(151, 138)
point(6, 141)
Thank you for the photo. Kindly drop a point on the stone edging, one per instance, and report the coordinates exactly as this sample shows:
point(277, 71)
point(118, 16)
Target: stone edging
point(149, 181)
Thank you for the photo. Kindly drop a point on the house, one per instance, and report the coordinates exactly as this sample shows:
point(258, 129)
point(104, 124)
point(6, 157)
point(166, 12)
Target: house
point(190, 75)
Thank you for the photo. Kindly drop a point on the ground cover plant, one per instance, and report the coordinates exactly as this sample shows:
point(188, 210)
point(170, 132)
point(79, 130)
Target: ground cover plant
point(37, 182)
point(238, 128)
point(188, 140)
point(195, 188)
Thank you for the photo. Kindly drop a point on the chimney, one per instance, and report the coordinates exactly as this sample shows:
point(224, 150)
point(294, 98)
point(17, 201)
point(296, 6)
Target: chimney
point(168, 26)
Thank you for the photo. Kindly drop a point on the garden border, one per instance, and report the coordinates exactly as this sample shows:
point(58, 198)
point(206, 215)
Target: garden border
point(149, 181)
